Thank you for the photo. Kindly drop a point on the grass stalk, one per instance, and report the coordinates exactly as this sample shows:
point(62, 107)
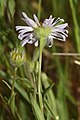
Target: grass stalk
point(76, 26)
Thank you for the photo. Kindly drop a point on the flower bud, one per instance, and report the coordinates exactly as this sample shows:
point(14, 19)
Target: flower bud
point(16, 57)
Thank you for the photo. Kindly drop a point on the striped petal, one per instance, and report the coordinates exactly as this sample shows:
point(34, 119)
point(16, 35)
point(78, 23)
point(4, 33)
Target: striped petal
point(29, 21)
point(57, 21)
point(36, 20)
point(50, 41)
point(27, 28)
point(59, 36)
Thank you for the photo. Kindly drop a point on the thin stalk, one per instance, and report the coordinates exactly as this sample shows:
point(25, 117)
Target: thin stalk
point(34, 86)
point(39, 73)
point(39, 10)
point(66, 54)
point(76, 30)
point(19, 117)
point(14, 77)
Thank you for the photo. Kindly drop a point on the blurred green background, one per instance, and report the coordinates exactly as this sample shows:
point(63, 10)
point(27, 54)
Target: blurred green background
point(62, 70)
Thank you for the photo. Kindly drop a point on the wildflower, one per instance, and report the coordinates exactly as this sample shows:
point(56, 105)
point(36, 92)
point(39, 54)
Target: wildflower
point(50, 29)
point(16, 57)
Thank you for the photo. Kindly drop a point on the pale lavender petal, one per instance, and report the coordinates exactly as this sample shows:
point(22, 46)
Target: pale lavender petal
point(57, 21)
point(61, 31)
point(31, 42)
point(50, 17)
point(59, 36)
point(66, 31)
point(29, 21)
point(50, 41)
point(62, 25)
point(36, 43)
point(24, 41)
point(48, 22)
point(36, 19)
point(27, 28)
point(22, 32)
point(54, 37)
point(22, 36)
point(27, 40)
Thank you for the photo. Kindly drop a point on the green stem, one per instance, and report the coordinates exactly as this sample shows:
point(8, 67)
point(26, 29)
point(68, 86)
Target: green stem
point(39, 10)
point(76, 26)
point(14, 76)
point(39, 73)
point(34, 85)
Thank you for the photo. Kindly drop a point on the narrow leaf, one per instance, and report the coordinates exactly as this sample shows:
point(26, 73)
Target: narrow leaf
point(11, 6)
point(47, 90)
point(37, 112)
point(2, 7)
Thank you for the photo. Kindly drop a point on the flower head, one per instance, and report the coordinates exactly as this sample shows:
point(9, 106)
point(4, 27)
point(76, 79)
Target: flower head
point(50, 29)
point(16, 57)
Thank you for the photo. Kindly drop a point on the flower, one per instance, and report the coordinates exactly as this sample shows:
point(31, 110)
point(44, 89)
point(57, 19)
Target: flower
point(50, 29)
point(16, 57)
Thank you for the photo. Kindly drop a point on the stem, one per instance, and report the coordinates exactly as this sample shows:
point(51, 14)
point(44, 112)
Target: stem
point(76, 30)
point(34, 85)
point(14, 76)
point(39, 73)
point(39, 10)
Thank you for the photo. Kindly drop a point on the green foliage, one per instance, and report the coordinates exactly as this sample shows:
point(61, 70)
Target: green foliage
point(12, 104)
point(11, 5)
point(2, 7)
point(50, 102)
point(73, 5)
point(36, 110)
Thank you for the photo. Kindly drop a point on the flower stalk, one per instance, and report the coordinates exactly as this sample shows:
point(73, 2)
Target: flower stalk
point(14, 77)
point(39, 72)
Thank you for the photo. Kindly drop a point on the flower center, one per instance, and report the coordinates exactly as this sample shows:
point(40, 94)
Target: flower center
point(42, 32)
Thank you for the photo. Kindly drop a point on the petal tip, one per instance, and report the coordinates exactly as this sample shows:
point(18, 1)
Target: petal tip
point(24, 14)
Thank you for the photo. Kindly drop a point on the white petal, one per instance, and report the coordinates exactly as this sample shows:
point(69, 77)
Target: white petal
point(22, 31)
point(57, 21)
point(66, 31)
point(62, 25)
point(21, 36)
point(27, 28)
point(36, 43)
point(59, 36)
point(48, 22)
point(60, 31)
point(50, 17)
point(28, 39)
point(24, 41)
point(24, 14)
point(50, 41)
point(36, 19)
point(29, 21)
point(31, 41)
